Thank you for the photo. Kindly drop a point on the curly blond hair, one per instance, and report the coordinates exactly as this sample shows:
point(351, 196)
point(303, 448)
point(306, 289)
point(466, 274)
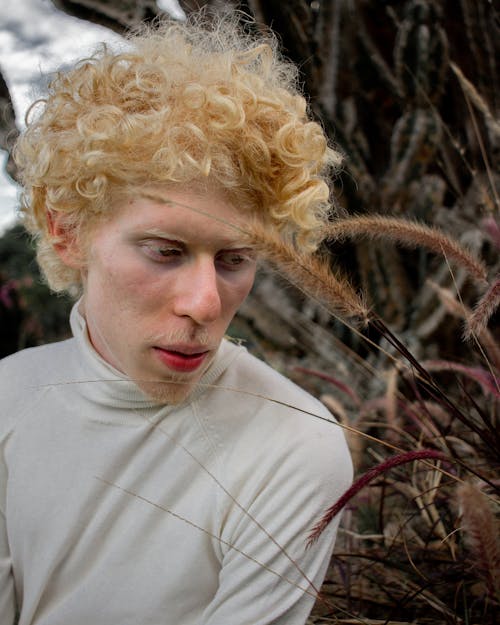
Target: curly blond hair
point(181, 102)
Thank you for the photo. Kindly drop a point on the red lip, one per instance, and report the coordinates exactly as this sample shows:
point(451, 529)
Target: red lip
point(184, 361)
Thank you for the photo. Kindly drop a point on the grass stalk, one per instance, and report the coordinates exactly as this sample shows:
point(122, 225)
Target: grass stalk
point(410, 234)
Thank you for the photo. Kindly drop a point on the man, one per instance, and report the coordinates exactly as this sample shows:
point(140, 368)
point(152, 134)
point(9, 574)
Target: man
point(150, 470)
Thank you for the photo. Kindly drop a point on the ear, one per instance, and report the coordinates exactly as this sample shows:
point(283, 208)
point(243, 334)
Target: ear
point(65, 240)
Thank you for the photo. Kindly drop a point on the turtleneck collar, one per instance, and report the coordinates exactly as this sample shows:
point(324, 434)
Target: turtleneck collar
point(109, 387)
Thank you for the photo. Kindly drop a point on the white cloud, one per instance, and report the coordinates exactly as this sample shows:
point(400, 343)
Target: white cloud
point(8, 196)
point(172, 7)
point(36, 39)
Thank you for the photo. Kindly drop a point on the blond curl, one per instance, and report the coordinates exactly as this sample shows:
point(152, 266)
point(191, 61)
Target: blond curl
point(180, 103)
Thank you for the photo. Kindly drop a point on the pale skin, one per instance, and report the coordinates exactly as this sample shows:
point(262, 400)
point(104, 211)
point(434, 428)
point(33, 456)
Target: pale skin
point(161, 283)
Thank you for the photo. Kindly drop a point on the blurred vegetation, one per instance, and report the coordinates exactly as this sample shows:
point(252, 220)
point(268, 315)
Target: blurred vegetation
point(409, 91)
point(29, 313)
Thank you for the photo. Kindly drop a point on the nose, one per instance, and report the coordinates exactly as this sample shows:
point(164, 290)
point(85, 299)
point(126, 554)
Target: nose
point(198, 294)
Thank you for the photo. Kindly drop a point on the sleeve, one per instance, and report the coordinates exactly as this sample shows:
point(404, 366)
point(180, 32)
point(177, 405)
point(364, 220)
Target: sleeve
point(7, 596)
point(7, 593)
point(269, 576)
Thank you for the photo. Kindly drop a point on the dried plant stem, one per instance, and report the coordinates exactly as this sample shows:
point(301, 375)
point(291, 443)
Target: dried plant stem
point(158, 506)
point(314, 415)
point(365, 479)
point(310, 590)
point(310, 273)
point(471, 92)
point(458, 309)
point(488, 382)
point(410, 234)
point(427, 506)
point(484, 152)
point(425, 413)
point(369, 621)
point(329, 378)
point(424, 495)
point(484, 309)
point(391, 404)
point(159, 428)
point(480, 529)
point(430, 598)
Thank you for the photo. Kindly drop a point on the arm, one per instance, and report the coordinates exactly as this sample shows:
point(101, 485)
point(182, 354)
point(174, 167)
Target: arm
point(286, 490)
point(7, 596)
point(7, 593)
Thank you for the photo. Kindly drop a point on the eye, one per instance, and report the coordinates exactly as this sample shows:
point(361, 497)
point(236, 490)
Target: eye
point(161, 251)
point(234, 259)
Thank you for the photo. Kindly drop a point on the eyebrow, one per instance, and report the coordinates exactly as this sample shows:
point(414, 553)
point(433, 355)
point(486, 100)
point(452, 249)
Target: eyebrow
point(224, 242)
point(162, 234)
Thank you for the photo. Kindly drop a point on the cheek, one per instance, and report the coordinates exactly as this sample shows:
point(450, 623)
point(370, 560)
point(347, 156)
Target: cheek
point(127, 280)
point(238, 291)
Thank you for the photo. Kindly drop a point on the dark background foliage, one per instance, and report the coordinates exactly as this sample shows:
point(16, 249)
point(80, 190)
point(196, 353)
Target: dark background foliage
point(409, 91)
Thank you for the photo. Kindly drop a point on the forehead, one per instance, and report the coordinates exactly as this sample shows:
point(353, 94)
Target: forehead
point(181, 213)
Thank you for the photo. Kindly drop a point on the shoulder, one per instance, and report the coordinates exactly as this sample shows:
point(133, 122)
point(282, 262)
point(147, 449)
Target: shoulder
point(255, 389)
point(24, 374)
point(34, 363)
point(265, 421)
point(281, 455)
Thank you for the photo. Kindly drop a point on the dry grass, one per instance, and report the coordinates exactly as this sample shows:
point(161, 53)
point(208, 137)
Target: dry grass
point(410, 234)
point(419, 539)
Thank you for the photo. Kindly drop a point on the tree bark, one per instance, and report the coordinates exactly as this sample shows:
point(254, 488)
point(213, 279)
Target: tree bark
point(8, 128)
point(118, 15)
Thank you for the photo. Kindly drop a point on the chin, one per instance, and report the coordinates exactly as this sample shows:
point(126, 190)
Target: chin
point(168, 391)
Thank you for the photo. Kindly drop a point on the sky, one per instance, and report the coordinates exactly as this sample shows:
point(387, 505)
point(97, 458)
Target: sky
point(35, 40)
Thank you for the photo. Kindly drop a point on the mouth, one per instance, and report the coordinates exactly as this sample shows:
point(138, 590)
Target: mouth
point(182, 358)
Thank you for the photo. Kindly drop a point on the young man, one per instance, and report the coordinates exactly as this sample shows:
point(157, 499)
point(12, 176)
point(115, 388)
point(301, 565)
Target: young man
point(150, 470)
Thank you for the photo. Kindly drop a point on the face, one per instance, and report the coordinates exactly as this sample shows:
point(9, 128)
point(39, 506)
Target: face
point(161, 285)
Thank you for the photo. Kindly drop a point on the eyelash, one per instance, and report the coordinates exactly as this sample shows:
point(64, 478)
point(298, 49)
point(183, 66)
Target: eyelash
point(160, 253)
point(230, 260)
point(233, 256)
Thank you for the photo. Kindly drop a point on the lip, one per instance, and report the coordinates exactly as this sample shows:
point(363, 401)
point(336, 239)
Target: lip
point(183, 358)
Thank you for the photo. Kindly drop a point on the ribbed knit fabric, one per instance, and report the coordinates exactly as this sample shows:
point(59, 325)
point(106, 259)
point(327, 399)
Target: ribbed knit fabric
point(114, 511)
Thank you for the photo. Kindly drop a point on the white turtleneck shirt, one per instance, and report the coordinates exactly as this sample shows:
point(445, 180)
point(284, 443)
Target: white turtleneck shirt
point(116, 511)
